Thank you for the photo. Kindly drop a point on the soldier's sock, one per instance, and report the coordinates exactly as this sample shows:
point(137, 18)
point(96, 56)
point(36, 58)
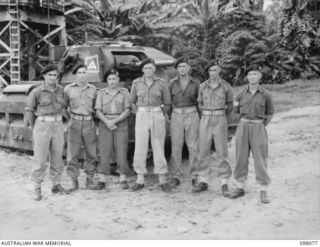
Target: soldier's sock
point(140, 179)
point(102, 178)
point(224, 181)
point(263, 187)
point(240, 185)
point(162, 178)
point(37, 185)
point(123, 177)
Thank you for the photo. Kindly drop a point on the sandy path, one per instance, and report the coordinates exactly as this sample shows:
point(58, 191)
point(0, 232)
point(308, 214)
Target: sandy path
point(294, 212)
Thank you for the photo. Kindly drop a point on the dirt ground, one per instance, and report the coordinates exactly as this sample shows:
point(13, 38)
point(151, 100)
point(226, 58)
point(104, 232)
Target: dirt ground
point(294, 211)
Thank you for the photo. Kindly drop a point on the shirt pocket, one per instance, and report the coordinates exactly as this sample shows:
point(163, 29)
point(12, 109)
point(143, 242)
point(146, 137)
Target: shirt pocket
point(221, 100)
point(75, 101)
point(89, 99)
point(260, 108)
point(244, 106)
point(142, 95)
point(44, 106)
point(106, 105)
point(60, 100)
point(206, 98)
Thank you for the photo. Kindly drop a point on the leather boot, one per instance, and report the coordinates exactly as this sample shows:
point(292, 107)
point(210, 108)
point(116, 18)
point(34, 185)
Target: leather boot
point(75, 185)
point(137, 187)
point(174, 182)
point(200, 187)
point(237, 193)
point(37, 196)
point(59, 189)
point(165, 187)
point(98, 186)
point(124, 185)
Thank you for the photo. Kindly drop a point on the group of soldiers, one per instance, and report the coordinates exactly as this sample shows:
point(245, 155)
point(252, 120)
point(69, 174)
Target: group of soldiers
point(198, 116)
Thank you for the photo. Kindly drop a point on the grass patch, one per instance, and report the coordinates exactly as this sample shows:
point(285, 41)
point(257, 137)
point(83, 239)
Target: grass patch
point(293, 94)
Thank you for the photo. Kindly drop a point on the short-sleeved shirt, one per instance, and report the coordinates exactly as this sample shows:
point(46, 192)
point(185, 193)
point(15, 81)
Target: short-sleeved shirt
point(186, 97)
point(155, 95)
point(80, 100)
point(254, 106)
point(109, 103)
point(44, 101)
point(217, 97)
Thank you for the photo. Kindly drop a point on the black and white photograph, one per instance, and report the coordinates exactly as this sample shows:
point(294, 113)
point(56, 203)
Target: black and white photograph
point(160, 120)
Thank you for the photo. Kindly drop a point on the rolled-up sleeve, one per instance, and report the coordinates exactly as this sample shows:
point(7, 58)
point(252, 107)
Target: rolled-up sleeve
point(31, 101)
point(269, 105)
point(98, 103)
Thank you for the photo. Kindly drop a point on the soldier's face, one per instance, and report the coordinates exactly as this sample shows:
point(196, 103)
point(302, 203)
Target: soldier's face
point(254, 77)
point(81, 74)
point(149, 69)
point(113, 81)
point(214, 71)
point(183, 69)
point(50, 77)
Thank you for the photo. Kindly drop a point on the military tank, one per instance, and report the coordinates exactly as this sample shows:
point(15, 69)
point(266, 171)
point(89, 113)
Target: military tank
point(99, 57)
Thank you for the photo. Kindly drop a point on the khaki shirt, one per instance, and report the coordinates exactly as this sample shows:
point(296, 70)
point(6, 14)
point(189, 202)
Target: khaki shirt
point(187, 97)
point(80, 100)
point(254, 106)
point(108, 103)
point(219, 97)
point(45, 101)
point(155, 95)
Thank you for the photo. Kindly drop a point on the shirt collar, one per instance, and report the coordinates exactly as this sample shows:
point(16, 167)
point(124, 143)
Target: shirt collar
point(259, 89)
point(108, 91)
point(207, 83)
point(46, 88)
point(177, 79)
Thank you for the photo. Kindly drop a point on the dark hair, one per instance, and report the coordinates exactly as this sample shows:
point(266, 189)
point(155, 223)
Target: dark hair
point(147, 61)
point(49, 68)
point(110, 72)
point(212, 63)
point(78, 66)
point(181, 60)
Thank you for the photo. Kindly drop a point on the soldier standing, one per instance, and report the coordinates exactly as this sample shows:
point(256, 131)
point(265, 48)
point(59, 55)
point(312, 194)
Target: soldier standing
point(80, 97)
point(184, 120)
point(148, 94)
point(113, 108)
point(255, 106)
point(46, 102)
point(216, 102)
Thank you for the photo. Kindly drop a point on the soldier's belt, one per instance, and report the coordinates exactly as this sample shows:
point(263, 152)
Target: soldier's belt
point(213, 112)
point(50, 118)
point(252, 121)
point(149, 108)
point(80, 117)
point(184, 110)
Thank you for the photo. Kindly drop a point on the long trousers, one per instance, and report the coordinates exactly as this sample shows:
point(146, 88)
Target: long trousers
point(251, 136)
point(47, 140)
point(213, 128)
point(81, 132)
point(184, 127)
point(150, 124)
point(116, 140)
